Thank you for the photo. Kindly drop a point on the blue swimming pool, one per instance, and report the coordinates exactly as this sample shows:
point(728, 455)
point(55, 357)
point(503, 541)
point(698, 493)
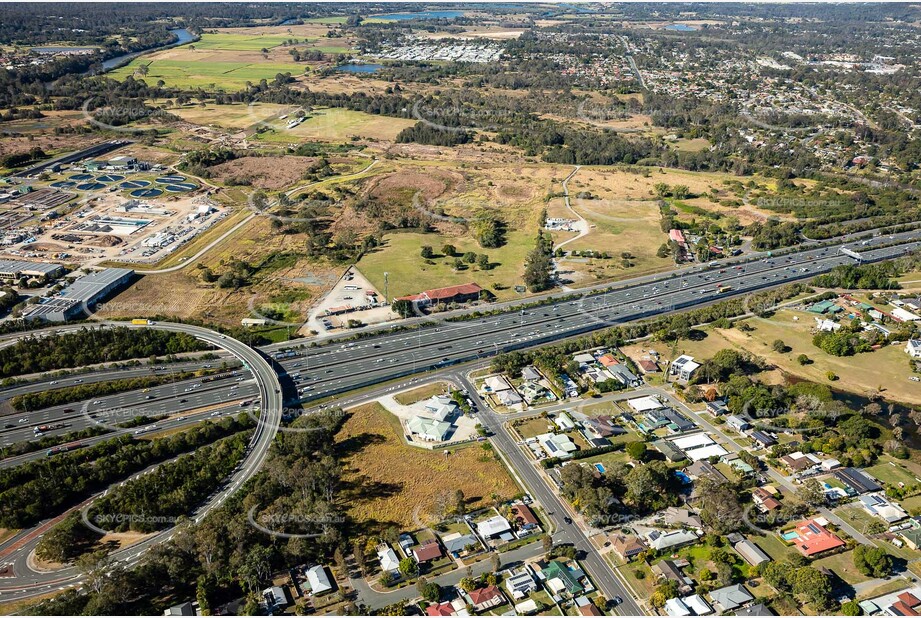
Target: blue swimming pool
point(599, 467)
point(792, 535)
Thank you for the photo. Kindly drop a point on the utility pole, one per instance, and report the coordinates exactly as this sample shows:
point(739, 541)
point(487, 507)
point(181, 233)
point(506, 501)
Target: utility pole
point(386, 288)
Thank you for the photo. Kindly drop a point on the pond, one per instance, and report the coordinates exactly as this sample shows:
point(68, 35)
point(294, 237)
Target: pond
point(360, 68)
point(680, 28)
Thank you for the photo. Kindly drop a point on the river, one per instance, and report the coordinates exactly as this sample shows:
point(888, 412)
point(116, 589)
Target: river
point(183, 35)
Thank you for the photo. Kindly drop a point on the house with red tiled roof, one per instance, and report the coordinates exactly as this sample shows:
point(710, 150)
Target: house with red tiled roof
point(524, 516)
point(910, 600)
point(813, 538)
point(647, 366)
point(608, 360)
point(440, 609)
point(485, 598)
point(899, 608)
point(428, 551)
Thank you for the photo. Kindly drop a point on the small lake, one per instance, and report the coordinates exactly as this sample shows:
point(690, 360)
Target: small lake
point(183, 35)
point(360, 68)
point(420, 15)
point(681, 28)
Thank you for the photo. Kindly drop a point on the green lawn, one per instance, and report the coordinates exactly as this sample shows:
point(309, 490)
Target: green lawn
point(229, 76)
point(534, 427)
point(400, 256)
point(241, 42)
point(843, 565)
point(892, 473)
point(774, 546)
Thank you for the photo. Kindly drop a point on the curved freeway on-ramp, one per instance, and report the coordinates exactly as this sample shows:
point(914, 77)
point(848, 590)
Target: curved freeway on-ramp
point(29, 582)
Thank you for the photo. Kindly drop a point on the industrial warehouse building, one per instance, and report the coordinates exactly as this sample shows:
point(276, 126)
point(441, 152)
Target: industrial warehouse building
point(81, 295)
point(12, 270)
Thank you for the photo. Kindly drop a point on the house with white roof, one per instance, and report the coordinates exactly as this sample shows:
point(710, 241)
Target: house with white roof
point(684, 367)
point(660, 540)
point(494, 527)
point(645, 404)
point(913, 348)
point(429, 429)
point(877, 504)
point(388, 559)
point(318, 580)
point(557, 445)
point(903, 315)
point(564, 423)
point(496, 384)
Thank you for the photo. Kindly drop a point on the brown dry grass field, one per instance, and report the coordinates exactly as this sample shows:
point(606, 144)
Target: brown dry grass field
point(391, 483)
point(190, 297)
point(423, 392)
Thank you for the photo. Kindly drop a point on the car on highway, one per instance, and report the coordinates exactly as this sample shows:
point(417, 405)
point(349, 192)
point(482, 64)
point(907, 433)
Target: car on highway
point(183, 400)
point(568, 520)
point(23, 420)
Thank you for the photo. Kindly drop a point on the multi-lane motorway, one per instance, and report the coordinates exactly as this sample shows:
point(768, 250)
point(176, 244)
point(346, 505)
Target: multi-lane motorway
point(324, 371)
point(29, 583)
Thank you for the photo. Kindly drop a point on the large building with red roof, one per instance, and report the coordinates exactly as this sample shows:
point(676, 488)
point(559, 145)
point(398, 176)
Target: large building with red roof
point(813, 538)
point(452, 294)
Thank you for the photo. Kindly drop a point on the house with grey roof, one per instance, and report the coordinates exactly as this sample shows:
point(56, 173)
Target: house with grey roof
point(731, 597)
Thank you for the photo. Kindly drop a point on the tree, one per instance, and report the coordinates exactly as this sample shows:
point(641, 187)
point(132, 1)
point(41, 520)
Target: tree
point(470, 257)
point(403, 308)
point(813, 585)
point(851, 608)
point(482, 261)
point(636, 450)
point(449, 250)
point(538, 271)
point(872, 561)
point(720, 508)
point(255, 568)
point(812, 493)
point(427, 252)
point(460, 503)
point(408, 566)
point(430, 591)
point(467, 584)
point(547, 544)
point(779, 346)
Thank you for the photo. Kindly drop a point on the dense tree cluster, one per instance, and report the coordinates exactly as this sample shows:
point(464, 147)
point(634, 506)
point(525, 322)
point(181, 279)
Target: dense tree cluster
point(41, 488)
point(90, 346)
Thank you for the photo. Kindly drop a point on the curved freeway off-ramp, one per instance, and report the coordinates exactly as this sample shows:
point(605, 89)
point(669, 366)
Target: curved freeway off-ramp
point(29, 583)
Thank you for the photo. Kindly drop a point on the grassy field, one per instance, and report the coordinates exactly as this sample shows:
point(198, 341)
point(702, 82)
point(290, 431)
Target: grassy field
point(534, 427)
point(409, 273)
point(843, 565)
point(892, 472)
point(388, 482)
point(234, 116)
point(239, 42)
point(336, 125)
point(883, 371)
point(423, 392)
point(227, 75)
